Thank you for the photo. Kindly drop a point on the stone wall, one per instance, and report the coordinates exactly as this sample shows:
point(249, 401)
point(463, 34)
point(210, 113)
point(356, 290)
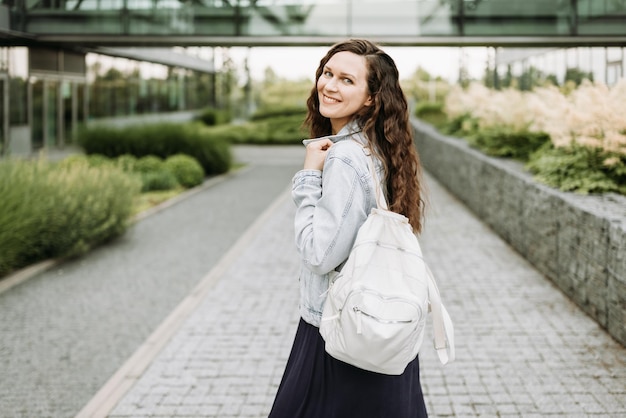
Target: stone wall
point(578, 242)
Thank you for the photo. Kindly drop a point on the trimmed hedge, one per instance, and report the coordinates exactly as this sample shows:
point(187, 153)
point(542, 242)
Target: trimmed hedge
point(154, 172)
point(278, 130)
point(161, 179)
point(212, 117)
point(148, 164)
point(59, 210)
point(162, 140)
point(187, 171)
point(278, 111)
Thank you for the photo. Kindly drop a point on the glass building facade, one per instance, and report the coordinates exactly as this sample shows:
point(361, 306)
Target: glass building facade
point(605, 65)
point(46, 94)
point(246, 20)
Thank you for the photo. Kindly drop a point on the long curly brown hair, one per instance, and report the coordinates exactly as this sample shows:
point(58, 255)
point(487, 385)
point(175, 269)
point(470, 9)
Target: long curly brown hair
point(386, 125)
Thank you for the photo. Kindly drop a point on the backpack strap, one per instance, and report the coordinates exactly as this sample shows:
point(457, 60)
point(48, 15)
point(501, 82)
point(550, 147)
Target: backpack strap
point(443, 329)
point(380, 196)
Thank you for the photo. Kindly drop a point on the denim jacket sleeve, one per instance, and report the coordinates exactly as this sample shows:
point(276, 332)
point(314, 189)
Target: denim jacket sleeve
point(331, 206)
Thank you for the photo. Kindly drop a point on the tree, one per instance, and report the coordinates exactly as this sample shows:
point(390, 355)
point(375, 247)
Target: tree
point(577, 76)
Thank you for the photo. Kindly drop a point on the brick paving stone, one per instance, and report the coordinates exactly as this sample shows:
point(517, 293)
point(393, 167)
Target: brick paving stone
point(523, 349)
point(68, 329)
point(233, 329)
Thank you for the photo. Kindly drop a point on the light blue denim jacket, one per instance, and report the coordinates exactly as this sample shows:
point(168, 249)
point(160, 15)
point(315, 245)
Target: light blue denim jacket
point(331, 207)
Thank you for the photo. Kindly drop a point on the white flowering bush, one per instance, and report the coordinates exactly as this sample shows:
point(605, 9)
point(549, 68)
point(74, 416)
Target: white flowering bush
point(584, 131)
point(592, 115)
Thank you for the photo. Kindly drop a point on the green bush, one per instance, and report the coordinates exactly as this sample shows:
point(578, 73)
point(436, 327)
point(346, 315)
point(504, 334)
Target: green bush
point(579, 169)
point(157, 174)
point(161, 140)
point(54, 210)
point(212, 117)
point(161, 179)
point(508, 142)
point(187, 171)
point(73, 160)
point(278, 111)
point(431, 112)
point(213, 153)
point(234, 134)
point(148, 164)
point(126, 162)
point(283, 130)
point(461, 126)
point(154, 172)
point(99, 160)
point(577, 76)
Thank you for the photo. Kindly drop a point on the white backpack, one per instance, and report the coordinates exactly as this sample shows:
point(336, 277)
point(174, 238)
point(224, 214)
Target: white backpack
point(375, 312)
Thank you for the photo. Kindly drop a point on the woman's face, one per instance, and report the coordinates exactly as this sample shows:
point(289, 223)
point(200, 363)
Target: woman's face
point(342, 88)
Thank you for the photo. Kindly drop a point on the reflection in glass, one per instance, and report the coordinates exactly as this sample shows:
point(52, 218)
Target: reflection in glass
point(342, 18)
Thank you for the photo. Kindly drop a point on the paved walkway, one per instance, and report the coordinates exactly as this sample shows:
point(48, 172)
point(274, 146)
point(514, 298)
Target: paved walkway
point(523, 350)
point(69, 327)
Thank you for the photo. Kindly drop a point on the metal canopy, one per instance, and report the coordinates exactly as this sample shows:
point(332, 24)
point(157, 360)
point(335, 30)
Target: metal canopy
point(313, 23)
point(295, 41)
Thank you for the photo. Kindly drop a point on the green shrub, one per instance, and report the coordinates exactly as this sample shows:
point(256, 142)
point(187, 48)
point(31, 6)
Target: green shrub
point(148, 164)
point(105, 140)
point(282, 130)
point(278, 111)
point(154, 174)
point(187, 170)
point(508, 142)
point(213, 153)
point(54, 210)
point(431, 112)
point(577, 76)
point(234, 134)
point(99, 160)
point(73, 160)
point(126, 162)
point(460, 126)
point(161, 179)
point(212, 117)
point(161, 140)
point(579, 169)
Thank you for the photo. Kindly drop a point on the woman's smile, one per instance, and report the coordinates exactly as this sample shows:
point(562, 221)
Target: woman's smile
point(330, 100)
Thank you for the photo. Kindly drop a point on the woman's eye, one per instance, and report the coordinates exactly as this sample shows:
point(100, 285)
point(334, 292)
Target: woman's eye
point(347, 81)
point(328, 74)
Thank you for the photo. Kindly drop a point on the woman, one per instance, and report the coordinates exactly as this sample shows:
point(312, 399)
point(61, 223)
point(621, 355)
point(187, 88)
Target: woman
point(356, 107)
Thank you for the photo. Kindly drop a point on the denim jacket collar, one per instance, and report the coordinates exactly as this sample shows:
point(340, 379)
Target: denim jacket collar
point(351, 129)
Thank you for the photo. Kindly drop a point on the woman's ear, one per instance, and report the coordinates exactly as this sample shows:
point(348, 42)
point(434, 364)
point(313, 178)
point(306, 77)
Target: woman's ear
point(369, 101)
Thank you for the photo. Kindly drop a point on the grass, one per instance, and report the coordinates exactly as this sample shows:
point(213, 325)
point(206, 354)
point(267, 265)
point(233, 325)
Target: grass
point(147, 200)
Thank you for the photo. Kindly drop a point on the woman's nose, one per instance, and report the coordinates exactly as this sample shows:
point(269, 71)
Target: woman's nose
point(332, 84)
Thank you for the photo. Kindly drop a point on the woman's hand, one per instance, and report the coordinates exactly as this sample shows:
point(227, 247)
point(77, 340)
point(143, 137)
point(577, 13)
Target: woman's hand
point(316, 154)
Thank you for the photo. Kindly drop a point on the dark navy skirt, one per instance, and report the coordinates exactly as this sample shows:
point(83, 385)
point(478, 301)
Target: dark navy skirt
point(315, 385)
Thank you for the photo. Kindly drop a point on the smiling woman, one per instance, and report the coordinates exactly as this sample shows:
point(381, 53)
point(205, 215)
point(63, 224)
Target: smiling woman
point(356, 111)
